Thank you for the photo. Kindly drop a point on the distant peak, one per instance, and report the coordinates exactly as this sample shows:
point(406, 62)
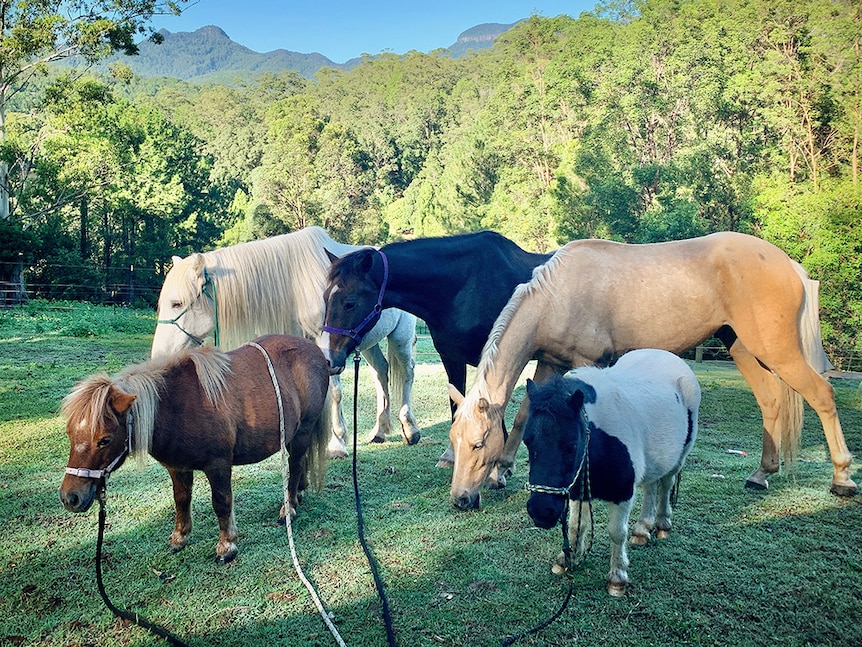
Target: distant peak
point(211, 30)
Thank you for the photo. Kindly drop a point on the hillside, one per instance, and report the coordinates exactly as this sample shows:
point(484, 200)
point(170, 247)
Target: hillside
point(209, 52)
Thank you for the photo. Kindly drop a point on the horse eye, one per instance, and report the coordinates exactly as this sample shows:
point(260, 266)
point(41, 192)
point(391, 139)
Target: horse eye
point(103, 442)
point(350, 305)
point(479, 445)
point(176, 305)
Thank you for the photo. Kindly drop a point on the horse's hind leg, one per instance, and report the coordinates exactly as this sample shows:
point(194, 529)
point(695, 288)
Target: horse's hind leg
point(646, 522)
point(380, 375)
point(767, 393)
point(222, 502)
point(402, 364)
point(618, 529)
point(819, 393)
point(665, 507)
point(182, 481)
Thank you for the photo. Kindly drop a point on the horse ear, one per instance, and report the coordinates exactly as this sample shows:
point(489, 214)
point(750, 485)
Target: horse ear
point(531, 388)
point(367, 263)
point(176, 260)
point(332, 257)
point(198, 263)
point(455, 395)
point(120, 401)
point(576, 400)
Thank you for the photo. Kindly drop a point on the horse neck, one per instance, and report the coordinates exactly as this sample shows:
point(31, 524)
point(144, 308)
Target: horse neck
point(417, 287)
point(509, 347)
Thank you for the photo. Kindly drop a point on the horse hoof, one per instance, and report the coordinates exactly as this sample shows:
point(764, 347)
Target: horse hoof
point(639, 540)
point(176, 549)
point(756, 485)
point(843, 489)
point(558, 569)
point(616, 589)
point(662, 534)
point(376, 439)
point(412, 439)
point(221, 560)
point(335, 454)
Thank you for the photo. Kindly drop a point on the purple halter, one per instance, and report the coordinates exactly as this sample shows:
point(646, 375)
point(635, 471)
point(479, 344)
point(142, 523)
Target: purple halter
point(358, 332)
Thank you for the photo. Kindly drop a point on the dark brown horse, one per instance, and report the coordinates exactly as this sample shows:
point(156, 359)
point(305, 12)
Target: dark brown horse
point(203, 410)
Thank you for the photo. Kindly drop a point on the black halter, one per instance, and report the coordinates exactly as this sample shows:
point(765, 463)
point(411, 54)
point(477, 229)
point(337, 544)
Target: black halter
point(358, 332)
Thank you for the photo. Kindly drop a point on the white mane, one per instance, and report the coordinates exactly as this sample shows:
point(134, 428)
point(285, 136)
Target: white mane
point(271, 285)
point(540, 283)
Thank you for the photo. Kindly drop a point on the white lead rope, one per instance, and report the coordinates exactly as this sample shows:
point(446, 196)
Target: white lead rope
point(284, 479)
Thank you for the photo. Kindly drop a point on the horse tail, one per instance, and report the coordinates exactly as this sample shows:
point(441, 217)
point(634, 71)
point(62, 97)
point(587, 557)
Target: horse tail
point(316, 457)
point(790, 404)
point(809, 323)
point(790, 414)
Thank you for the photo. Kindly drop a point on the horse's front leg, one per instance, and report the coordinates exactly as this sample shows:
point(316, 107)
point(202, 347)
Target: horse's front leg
point(182, 481)
point(380, 376)
point(456, 373)
point(337, 447)
point(579, 531)
point(618, 529)
point(506, 462)
point(222, 502)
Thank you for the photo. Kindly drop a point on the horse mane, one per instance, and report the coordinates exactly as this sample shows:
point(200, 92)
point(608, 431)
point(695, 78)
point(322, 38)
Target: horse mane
point(89, 399)
point(271, 285)
point(552, 398)
point(540, 283)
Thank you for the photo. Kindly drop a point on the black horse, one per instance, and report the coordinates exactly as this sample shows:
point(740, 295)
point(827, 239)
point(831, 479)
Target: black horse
point(456, 284)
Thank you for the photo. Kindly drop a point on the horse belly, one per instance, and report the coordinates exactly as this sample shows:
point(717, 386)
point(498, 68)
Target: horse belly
point(612, 474)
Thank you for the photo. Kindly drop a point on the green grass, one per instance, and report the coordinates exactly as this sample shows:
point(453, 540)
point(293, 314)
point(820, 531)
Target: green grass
point(741, 567)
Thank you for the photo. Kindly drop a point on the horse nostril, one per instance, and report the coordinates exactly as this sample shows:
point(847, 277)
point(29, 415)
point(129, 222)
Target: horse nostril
point(71, 501)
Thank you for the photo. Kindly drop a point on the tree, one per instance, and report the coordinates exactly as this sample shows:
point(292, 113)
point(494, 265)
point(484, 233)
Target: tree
point(38, 32)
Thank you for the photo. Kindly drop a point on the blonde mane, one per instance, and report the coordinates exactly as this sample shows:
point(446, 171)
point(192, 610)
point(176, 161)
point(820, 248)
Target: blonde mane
point(264, 286)
point(540, 283)
point(89, 399)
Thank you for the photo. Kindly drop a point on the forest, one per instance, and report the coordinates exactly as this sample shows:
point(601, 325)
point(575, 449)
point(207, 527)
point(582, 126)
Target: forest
point(642, 121)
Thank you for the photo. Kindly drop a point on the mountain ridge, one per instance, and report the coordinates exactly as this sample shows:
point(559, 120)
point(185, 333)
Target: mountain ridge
point(208, 51)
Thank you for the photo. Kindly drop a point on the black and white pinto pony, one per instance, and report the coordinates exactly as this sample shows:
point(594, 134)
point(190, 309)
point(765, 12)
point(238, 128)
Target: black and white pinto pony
point(276, 285)
point(598, 434)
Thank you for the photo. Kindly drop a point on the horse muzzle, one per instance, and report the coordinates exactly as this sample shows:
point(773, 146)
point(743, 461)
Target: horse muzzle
point(466, 500)
point(78, 499)
point(545, 510)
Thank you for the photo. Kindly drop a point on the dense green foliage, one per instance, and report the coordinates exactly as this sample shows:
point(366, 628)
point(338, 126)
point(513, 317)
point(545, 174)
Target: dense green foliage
point(642, 121)
point(741, 568)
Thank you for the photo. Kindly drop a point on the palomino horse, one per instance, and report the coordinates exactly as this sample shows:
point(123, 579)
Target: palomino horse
point(276, 285)
point(599, 433)
point(206, 410)
point(456, 284)
point(597, 299)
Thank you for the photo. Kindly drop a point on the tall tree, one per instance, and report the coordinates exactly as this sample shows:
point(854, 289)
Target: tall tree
point(34, 33)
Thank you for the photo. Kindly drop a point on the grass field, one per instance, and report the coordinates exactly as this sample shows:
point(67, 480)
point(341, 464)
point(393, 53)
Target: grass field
point(742, 567)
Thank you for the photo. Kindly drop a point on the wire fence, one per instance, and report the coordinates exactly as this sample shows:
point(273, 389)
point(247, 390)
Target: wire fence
point(145, 295)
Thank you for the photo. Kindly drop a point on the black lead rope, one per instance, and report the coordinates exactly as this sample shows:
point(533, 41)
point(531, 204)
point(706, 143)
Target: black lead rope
point(120, 613)
point(360, 525)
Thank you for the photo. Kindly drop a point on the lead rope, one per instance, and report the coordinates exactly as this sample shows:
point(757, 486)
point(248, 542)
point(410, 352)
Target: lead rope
point(360, 525)
point(586, 495)
point(287, 524)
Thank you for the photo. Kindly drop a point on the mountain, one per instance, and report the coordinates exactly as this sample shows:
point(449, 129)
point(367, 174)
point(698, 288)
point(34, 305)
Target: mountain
point(478, 37)
point(208, 52)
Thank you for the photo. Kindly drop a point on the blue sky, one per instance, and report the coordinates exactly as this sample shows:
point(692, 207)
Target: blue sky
point(342, 29)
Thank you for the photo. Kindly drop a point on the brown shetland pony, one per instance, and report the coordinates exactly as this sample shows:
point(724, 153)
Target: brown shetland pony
point(204, 410)
point(596, 299)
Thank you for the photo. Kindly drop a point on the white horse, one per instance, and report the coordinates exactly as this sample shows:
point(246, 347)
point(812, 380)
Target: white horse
point(598, 434)
point(276, 285)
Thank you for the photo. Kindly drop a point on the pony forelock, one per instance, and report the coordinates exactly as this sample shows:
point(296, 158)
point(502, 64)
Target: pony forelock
point(89, 399)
